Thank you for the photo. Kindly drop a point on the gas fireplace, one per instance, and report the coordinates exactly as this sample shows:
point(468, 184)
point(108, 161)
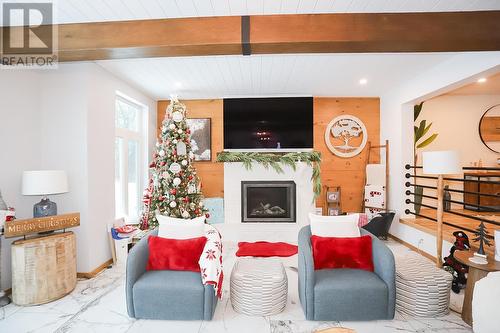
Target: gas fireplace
point(268, 201)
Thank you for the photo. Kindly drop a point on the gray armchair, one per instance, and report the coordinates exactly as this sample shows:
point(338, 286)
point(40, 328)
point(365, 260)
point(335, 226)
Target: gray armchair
point(347, 294)
point(166, 295)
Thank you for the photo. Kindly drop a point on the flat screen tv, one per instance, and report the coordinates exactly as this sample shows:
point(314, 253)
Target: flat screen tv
point(268, 123)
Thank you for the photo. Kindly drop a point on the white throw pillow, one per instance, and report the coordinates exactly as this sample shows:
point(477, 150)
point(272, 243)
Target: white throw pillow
point(334, 226)
point(174, 228)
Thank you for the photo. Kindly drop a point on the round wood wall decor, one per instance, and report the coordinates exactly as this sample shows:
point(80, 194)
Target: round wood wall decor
point(346, 136)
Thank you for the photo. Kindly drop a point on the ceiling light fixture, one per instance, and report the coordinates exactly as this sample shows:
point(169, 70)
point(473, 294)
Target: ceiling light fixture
point(481, 80)
point(363, 81)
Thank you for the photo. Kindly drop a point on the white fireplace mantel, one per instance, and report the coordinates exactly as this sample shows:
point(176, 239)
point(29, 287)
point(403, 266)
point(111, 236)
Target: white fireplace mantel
point(235, 230)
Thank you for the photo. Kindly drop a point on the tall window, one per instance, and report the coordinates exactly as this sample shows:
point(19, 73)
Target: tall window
point(129, 158)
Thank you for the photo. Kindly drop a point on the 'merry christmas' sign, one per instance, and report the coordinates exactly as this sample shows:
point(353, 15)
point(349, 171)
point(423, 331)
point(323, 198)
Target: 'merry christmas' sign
point(32, 226)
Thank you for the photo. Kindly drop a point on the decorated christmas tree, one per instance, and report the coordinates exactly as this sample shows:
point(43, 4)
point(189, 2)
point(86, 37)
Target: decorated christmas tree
point(174, 188)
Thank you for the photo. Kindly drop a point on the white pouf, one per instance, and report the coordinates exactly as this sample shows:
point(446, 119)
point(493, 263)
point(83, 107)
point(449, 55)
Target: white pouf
point(422, 290)
point(259, 286)
point(486, 304)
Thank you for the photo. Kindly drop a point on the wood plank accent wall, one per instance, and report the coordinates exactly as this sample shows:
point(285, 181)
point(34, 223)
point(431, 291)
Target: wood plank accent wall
point(347, 173)
point(211, 173)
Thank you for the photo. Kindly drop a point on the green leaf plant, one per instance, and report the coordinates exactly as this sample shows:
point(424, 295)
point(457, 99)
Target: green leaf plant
point(420, 132)
point(421, 141)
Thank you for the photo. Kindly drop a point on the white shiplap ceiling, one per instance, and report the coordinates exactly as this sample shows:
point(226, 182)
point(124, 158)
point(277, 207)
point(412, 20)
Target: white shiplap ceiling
point(272, 75)
point(72, 11)
point(268, 75)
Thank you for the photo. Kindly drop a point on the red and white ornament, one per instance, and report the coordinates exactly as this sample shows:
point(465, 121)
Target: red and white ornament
point(174, 167)
point(177, 181)
point(177, 116)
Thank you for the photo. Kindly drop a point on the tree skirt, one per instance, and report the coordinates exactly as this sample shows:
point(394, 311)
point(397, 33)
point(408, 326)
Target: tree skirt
point(266, 249)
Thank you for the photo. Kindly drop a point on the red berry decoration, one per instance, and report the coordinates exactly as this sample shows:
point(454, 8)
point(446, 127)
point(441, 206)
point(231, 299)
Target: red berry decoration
point(197, 211)
point(173, 191)
point(190, 177)
point(207, 215)
point(186, 199)
point(161, 198)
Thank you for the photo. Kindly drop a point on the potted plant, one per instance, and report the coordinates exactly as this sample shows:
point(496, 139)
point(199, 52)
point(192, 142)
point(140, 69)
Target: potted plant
point(420, 131)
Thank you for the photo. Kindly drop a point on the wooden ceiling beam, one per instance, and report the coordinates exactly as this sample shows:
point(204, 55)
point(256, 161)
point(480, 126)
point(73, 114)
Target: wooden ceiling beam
point(393, 32)
point(150, 38)
point(277, 34)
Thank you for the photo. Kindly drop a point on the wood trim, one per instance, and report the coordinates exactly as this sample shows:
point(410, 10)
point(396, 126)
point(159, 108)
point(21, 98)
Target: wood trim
point(413, 248)
point(278, 34)
point(93, 274)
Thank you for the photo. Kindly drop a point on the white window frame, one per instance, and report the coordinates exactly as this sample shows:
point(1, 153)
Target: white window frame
point(129, 135)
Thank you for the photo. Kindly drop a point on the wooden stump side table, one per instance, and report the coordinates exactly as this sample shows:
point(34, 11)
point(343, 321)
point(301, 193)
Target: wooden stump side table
point(43, 268)
point(476, 273)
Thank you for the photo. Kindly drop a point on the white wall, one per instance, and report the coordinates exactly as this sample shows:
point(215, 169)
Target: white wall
point(396, 116)
point(63, 144)
point(456, 120)
point(101, 154)
point(64, 119)
point(19, 149)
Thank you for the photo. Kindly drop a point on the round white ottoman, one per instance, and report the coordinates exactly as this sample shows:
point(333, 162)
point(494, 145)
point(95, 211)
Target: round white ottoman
point(259, 286)
point(422, 290)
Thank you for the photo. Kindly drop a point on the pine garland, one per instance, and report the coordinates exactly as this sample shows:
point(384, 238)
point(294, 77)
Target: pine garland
point(276, 161)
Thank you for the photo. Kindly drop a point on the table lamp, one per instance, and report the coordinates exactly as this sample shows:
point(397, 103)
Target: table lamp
point(44, 182)
point(445, 162)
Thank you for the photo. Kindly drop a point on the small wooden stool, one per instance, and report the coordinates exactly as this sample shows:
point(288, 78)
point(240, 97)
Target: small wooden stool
point(43, 268)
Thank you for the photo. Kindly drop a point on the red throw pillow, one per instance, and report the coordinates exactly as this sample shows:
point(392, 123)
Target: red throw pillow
point(175, 254)
point(333, 252)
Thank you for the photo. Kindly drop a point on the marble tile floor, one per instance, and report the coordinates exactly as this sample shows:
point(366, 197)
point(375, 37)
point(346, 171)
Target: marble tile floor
point(98, 305)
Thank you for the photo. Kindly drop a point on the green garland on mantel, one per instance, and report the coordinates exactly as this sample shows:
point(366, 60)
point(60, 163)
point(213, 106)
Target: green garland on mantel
point(276, 161)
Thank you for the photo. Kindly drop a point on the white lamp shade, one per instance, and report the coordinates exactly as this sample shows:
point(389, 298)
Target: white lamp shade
point(44, 182)
point(445, 162)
